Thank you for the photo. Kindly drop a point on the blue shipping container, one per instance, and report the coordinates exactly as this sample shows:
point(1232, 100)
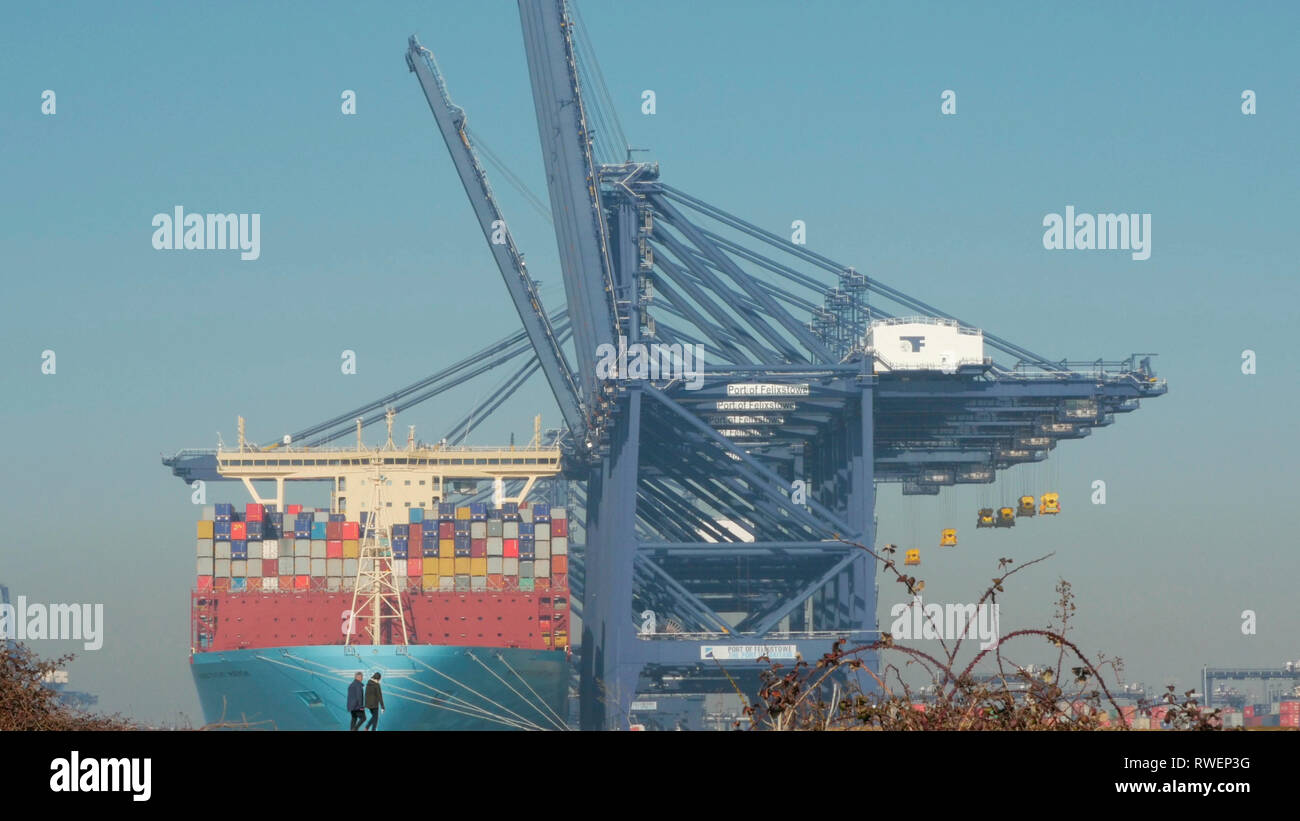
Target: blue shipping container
point(541, 512)
point(416, 515)
point(221, 529)
point(401, 531)
point(338, 517)
point(446, 510)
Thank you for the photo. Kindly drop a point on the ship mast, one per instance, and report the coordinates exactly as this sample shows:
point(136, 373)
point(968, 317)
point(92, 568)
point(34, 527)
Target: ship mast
point(376, 589)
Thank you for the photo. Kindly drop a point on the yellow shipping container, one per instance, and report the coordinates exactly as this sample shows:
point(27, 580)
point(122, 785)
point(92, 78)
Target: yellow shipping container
point(462, 566)
point(478, 567)
point(430, 581)
point(447, 567)
point(351, 549)
point(462, 513)
point(446, 548)
point(205, 530)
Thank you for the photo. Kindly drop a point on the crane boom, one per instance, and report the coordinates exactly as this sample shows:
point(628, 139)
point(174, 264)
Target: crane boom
point(572, 178)
point(523, 291)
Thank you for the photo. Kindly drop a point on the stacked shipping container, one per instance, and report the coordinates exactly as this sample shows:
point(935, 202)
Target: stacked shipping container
point(471, 548)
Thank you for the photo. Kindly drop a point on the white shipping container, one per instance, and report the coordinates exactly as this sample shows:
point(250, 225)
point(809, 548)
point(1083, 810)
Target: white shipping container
point(205, 566)
point(221, 550)
point(238, 568)
point(542, 568)
point(542, 550)
point(333, 567)
point(318, 548)
point(350, 567)
point(494, 546)
point(334, 584)
point(286, 565)
point(254, 550)
point(924, 344)
point(302, 547)
point(494, 564)
point(510, 530)
point(526, 514)
point(446, 584)
point(254, 568)
point(209, 513)
point(560, 546)
point(317, 567)
point(542, 532)
point(204, 548)
point(221, 568)
point(301, 566)
point(349, 583)
point(510, 567)
point(477, 583)
point(271, 549)
point(399, 568)
point(271, 583)
point(478, 530)
point(559, 513)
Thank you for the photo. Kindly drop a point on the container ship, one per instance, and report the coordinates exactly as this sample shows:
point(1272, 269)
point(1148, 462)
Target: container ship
point(463, 608)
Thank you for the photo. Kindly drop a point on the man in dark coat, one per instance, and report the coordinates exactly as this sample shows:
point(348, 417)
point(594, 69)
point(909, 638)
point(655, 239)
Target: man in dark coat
point(374, 701)
point(357, 702)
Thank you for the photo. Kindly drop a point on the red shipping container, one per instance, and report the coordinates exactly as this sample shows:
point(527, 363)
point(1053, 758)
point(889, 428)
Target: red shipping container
point(1248, 711)
point(1289, 707)
point(294, 509)
point(334, 530)
point(415, 550)
point(221, 584)
point(478, 548)
point(334, 549)
point(496, 581)
point(509, 548)
point(254, 583)
point(446, 530)
point(238, 531)
point(1290, 720)
point(414, 567)
point(351, 530)
point(270, 567)
point(205, 582)
point(416, 533)
point(252, 512)
point(559, 564)
point(559, 527)
point(541, 585)
point(286, 582)
point(301, 582)
point(559, 581)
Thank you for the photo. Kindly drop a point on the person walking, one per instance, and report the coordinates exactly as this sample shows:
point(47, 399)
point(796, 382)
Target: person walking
point(357, 702)
point(374, 701)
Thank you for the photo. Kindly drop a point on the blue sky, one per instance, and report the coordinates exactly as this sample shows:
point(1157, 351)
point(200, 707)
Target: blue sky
point(825, 112)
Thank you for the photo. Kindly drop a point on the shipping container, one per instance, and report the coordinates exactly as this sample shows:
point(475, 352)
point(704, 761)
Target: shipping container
point(223, 511)
point(337, 517)
point(415, 514)
point(238, 584)
point(541, 512)
point(415, 567)
point(510, 566)
point(205, 530)
point(238, 568)
point(318, 567)
point(495, 546)
point(254, 551)
point(559, 565)
point(270, 567)
point(301, 582)
point(478, 567)
point(302, 565)
point(559, 546)
point(238, 531)
point(221, 530)
point(494, 565)
point(525, 568)
point(478, 511)
point(542, 550)
point(319, 549)
point(204, 582)
point(203, 549)
point(334, 548)
point(462, 566)
point(351, 549)
point(462, 583)
point(525, 515)
point(205, 566)
point(294, 509)
point(253, 512)
point(350, 567)
point(446, 530)
point(510, 530)
point(478, 548)
point(319, 531)
point(271, 583)
point(494, 528)
point(252, 569)
point(302, 547)
point(271, 549)
point(542, 532)
point(541, 568)
point(446, 567)
point(478, 584)
point(286, 565)
point(238, 550)
point(446, 548)
point(333, 531)
point(208, 512)
point(334, 567)
point(510, 548)
point(351, 530)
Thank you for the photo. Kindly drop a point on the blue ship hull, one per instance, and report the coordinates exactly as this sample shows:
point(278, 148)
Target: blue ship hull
point(425, 687)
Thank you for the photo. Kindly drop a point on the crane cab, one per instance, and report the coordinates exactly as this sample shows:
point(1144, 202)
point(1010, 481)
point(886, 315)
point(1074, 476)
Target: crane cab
point(1006, 517)
point(948, 537)
point(912, 557)
point(1051, 503)
point(985, 517)
point(1026, 506)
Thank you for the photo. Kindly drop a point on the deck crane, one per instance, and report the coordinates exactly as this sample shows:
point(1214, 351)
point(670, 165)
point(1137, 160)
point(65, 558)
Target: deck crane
point(523, 291)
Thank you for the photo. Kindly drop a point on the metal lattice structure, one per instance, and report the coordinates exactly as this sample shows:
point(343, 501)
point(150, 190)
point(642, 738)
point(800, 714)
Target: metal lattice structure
point(728, 511)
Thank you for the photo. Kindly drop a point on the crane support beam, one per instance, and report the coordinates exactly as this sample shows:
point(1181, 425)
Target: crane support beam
point(572, 179)
point(523, 292)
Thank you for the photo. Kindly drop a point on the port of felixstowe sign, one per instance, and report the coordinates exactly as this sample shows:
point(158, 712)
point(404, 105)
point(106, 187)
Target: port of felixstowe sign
point(748, 652)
